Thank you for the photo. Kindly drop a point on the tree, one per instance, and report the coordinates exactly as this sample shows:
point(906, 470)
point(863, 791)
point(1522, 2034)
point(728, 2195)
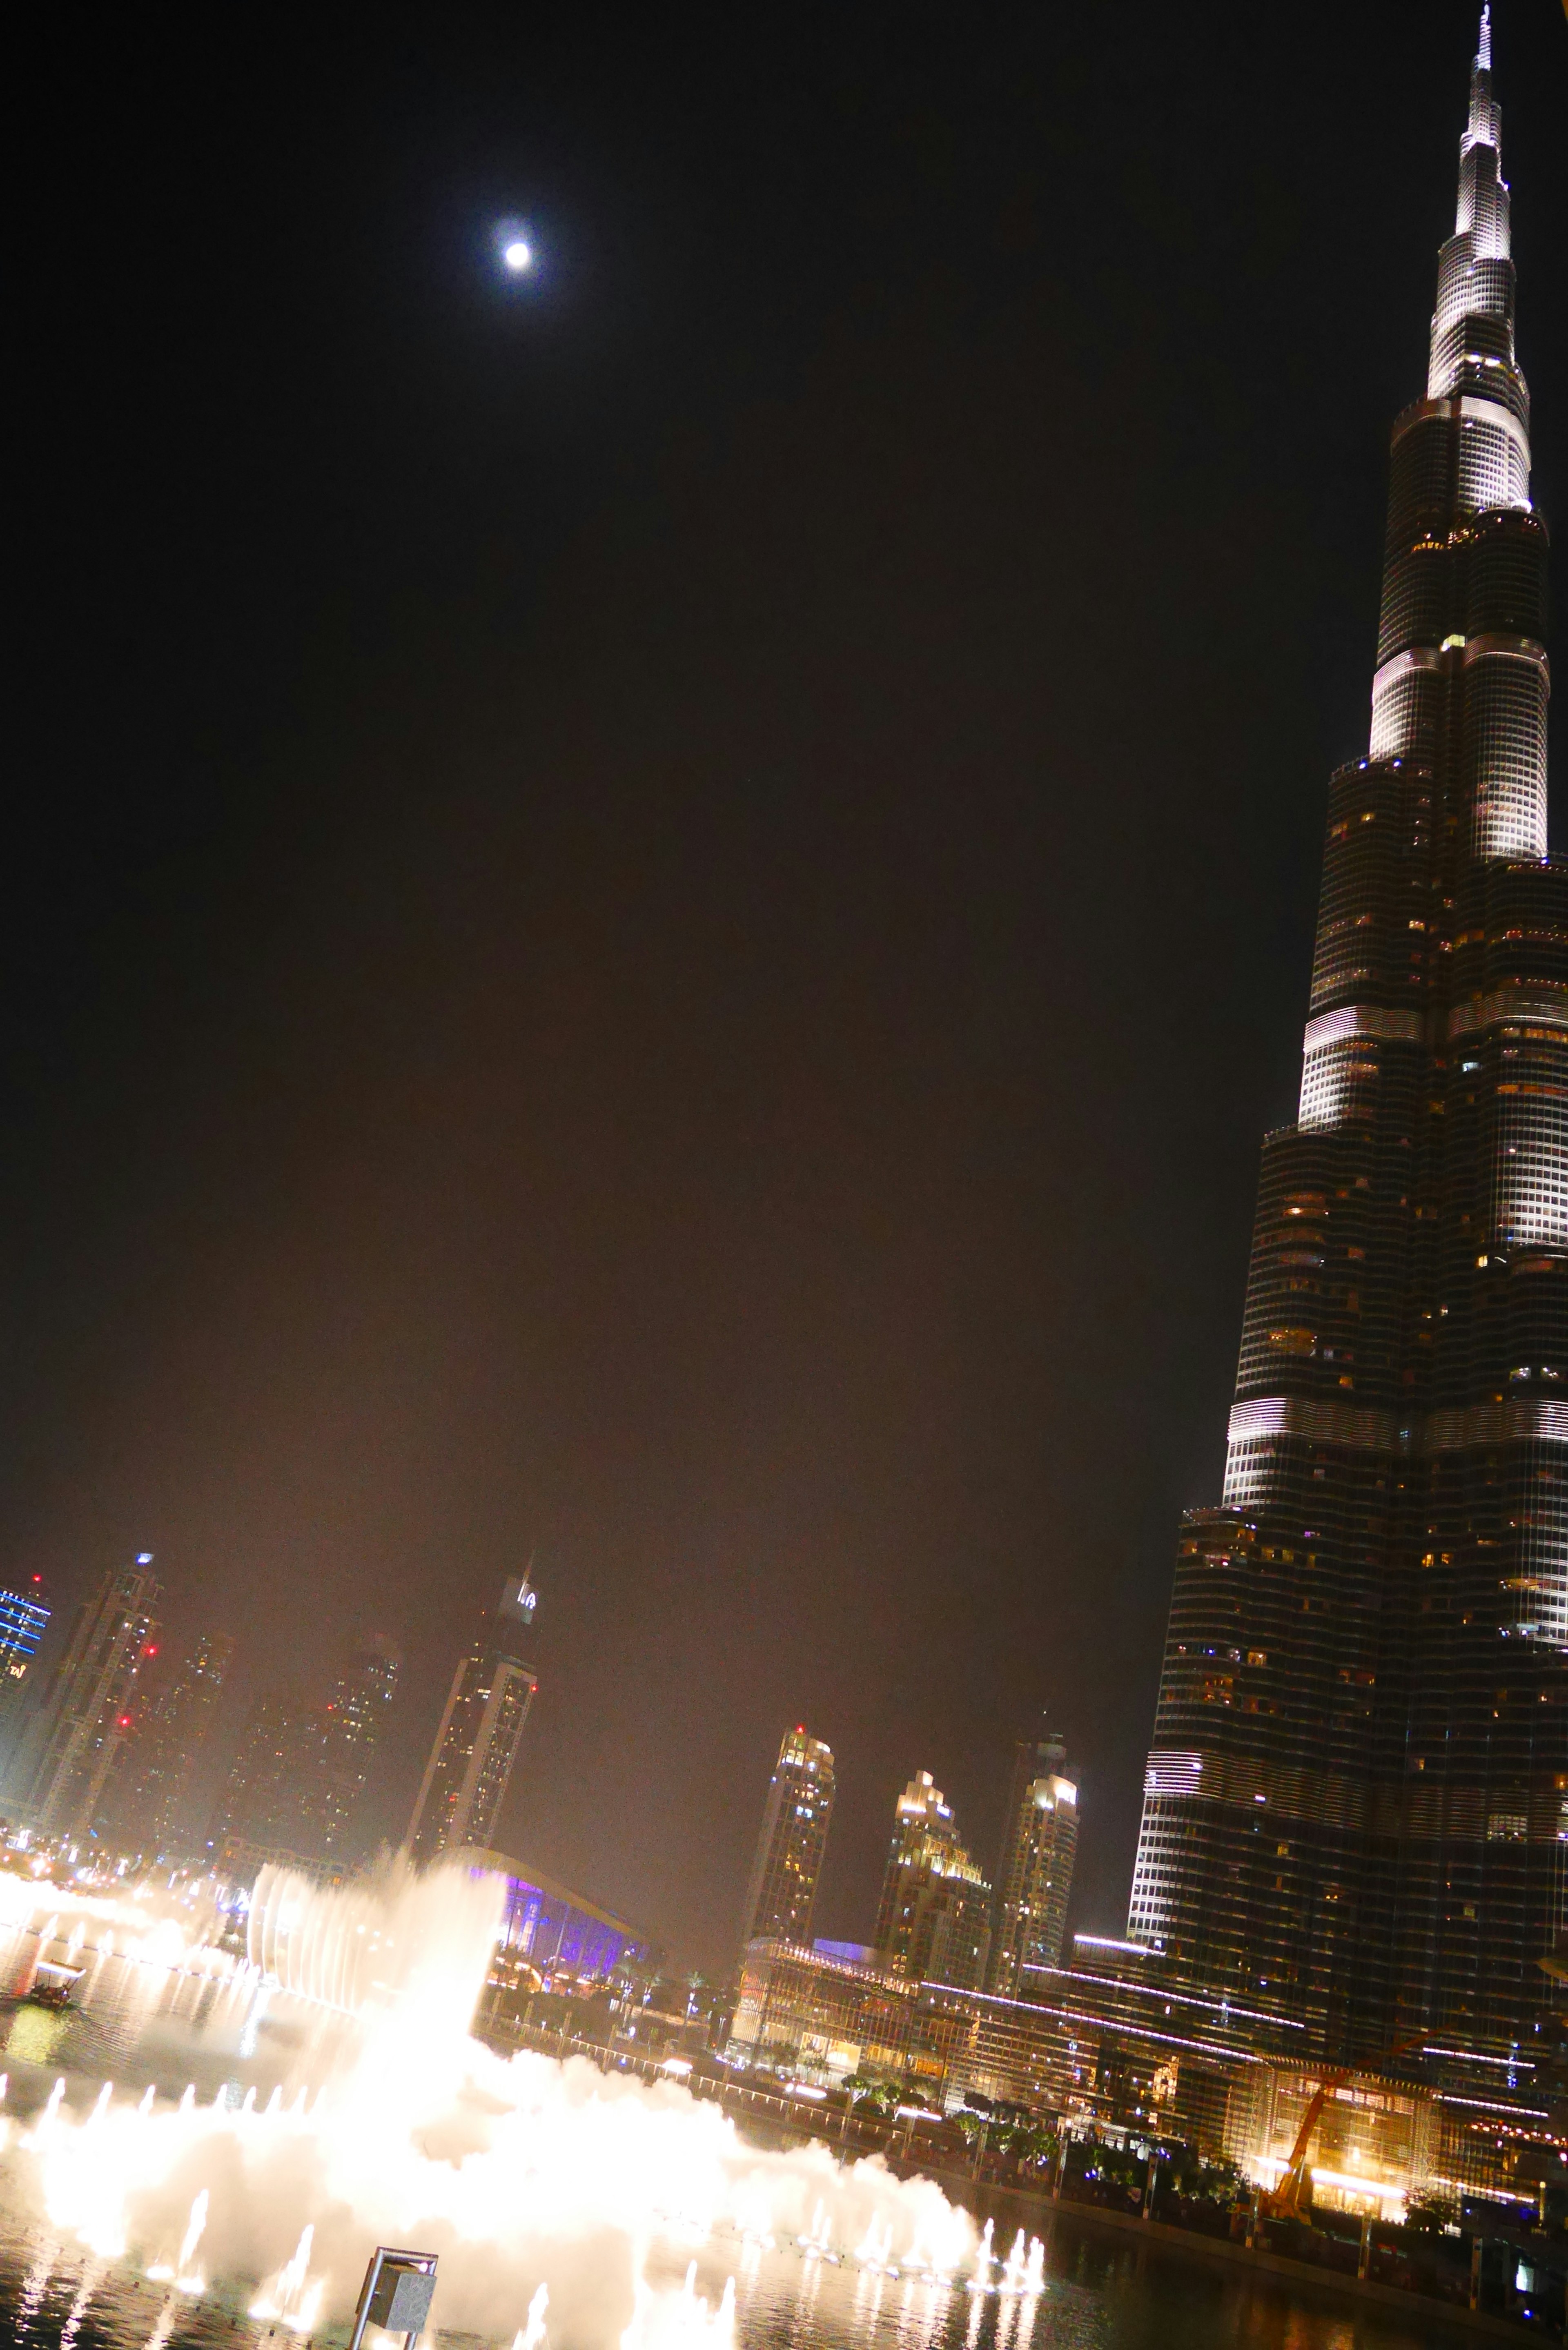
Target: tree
point(1430, 2211)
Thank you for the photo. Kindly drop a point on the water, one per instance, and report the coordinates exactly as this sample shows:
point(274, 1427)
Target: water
point(1098, 2296)
point(189, 2126)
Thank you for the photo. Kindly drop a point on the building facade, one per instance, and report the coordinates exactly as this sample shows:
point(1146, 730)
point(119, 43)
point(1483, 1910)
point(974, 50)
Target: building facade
point(352, 1721)
point(266, 1810)
point(87, 1710)
point(146, 1795)
point(1035, 1880)
point(475, 1748)
point(781, 1895)
point(934, 1917)
point(23, 1620)
point(1111, 2041)
point(1357, 1803)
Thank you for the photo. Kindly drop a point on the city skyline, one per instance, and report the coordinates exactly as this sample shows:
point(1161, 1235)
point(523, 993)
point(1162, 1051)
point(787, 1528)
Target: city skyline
point(663, 904)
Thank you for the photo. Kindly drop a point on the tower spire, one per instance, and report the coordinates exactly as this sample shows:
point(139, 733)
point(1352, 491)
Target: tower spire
point(1483, 47)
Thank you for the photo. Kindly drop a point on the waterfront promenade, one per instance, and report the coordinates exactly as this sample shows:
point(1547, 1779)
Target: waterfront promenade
point(1391, 2270)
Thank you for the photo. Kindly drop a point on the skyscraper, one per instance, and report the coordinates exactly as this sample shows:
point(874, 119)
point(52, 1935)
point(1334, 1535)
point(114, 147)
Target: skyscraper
point(781, 1895)
point(1040, 1841)
point(147, 1792)
point(350, 1728)
point(267, 1802)
point(934, 1917)
point(23, 1620)
point(1357, 1797)
point(475, 1748)
point(86, 1712)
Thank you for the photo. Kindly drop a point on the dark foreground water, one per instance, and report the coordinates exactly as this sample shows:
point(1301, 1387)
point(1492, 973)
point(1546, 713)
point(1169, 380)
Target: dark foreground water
point(143, 2027)
point(1098, 2296)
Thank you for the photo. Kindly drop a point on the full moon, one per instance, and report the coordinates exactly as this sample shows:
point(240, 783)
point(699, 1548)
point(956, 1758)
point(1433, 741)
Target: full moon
point(517, 253)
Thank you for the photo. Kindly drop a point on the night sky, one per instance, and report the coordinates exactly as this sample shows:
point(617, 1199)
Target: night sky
point(653, 915)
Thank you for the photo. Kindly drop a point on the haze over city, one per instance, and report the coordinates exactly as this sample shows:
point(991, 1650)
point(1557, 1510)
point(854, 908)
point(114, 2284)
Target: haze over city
point(657, 907)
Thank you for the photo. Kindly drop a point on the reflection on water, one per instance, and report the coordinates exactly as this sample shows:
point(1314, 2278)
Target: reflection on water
point(149, 2028)
point(1097, 2296)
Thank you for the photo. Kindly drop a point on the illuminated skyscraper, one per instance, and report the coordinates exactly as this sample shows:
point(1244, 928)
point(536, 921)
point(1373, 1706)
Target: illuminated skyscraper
point(1040, 1842)
point(86, 1712)
point(146, 1794)
point(22, 1627)
point(781, 1893)
point(350, 1728)
point(23, 1620)
point(475, 1748)
point(934, 1918)
point(1357, 1799)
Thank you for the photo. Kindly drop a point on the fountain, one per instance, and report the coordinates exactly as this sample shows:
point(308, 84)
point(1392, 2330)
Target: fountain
point(542, 2185)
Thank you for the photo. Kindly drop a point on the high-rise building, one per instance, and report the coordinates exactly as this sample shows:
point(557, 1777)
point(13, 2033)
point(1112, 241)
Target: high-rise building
point(475, 1748)
point(1040, 1842)
point(350, 1728)
point(23, 1620)
point(934, 1917)
point(86, 1712)
point(781, 1895)
point(1357, 1798)
point(148, 1792)
point(269, 1804)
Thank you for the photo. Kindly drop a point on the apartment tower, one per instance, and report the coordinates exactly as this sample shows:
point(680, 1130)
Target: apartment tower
point(475, 1748)
point(781, 1895)
point(1040, 1844)
point(87, 1710)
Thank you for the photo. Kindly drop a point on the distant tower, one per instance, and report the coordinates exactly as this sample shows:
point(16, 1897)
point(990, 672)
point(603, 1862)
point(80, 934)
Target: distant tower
point(934, 1918)
point(158, 1760)
point(87, 1712)
point(1040, 1841)
point(475, 1750)
point(781, 1893)
point(351, 1724)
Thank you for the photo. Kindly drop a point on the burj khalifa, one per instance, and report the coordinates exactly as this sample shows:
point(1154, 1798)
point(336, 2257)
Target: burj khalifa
point(1357, 1803)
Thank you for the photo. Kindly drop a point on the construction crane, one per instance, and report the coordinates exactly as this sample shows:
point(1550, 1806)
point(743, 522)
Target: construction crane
point(1283, 2200)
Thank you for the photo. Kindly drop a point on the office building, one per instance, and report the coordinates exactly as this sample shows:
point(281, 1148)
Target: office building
point(1357, 1797)
point(86, 1711)
point(781, 1895)
point(148, 1793)
point(268, 1810)
point(934, 1917)
point(348, 1732)
point(1040, 1833)
point(23, 1620)
point(475, 1748)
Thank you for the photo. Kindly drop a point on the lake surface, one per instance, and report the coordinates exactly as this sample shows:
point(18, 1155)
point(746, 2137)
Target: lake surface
point(141, 2027)
point(1098, 2296)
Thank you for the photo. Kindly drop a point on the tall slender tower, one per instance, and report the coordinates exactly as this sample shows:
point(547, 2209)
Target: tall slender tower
point(86, 1712)
point(475, 1748)
point(934, 1916)
point(781, 1894)
point(1357, 1797)
point(1035, 1883)
point(350, 1731)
